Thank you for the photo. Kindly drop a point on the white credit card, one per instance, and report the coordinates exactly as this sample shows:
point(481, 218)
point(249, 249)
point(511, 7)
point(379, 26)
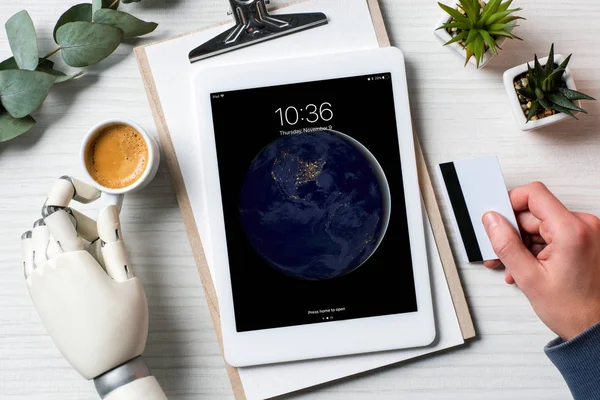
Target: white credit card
point(472, 188)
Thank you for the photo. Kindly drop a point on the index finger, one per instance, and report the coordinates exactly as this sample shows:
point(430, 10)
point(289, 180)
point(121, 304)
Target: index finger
point(67, 188)
point(66, 226)
point(538, 199)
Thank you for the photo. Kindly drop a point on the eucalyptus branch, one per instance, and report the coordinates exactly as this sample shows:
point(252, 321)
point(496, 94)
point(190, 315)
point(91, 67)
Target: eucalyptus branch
point(51, 53)
point(86, 34)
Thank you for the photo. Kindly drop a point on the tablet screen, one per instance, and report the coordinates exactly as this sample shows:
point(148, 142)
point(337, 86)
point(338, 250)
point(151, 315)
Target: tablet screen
point(313, 202)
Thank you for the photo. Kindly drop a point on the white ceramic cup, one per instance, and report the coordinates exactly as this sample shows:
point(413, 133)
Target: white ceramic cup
point(115, 196)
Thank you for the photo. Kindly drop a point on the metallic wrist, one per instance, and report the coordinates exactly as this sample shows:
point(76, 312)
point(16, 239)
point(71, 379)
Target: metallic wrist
point(120, 376)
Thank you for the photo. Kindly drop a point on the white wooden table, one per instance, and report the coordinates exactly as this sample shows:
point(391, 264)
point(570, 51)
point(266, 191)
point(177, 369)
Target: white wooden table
point(459, 113)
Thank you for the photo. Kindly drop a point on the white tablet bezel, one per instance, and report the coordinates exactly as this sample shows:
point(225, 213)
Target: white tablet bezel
point(330, 338)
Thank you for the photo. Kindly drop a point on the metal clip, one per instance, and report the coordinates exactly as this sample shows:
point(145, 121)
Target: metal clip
point(253, 25)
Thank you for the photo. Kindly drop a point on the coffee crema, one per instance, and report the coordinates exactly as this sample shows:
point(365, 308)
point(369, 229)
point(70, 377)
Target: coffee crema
point(117, 156)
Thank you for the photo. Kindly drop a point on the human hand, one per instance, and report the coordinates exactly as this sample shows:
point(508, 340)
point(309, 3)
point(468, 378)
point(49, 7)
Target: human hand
point(557, 264)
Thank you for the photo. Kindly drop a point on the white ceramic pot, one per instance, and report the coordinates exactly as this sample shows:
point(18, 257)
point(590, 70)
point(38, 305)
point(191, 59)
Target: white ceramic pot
point(509, 77)
point(444, 37)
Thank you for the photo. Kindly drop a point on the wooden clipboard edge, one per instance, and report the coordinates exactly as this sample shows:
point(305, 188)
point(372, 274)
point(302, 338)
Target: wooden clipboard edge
point(378, 23)
point(441, 238)
point(186, 211)
point(461, 307)
point(457, 293)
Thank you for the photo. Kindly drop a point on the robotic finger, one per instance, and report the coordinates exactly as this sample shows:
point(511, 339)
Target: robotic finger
point(116, 259)
point(62, 229)
point(85, 226)
point(54, 249)
point(41, 240)
point(95, 249)
point(68, 226)
point(27, 253)
point(67, 188)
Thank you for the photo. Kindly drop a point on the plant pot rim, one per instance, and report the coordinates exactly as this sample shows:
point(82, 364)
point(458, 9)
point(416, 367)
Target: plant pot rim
point(509, 77)
point(444, 37)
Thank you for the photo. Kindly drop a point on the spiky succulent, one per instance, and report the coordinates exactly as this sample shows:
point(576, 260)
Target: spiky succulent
point(547, 89)
point(478, 27)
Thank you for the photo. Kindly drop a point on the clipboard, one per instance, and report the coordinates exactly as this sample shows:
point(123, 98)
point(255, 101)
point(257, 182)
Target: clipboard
point(449, 265)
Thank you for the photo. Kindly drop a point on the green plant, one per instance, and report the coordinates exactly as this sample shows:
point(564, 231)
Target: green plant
point(479, 26)
point(547, 89)
point(86, 34)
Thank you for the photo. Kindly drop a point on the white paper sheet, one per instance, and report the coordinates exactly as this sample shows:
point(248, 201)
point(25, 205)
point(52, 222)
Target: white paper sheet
point(272, 380)
point(350, 28)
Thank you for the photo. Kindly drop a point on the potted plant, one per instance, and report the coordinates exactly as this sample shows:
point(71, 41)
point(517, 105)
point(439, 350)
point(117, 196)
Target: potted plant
point(476, 29)
point(544, 94)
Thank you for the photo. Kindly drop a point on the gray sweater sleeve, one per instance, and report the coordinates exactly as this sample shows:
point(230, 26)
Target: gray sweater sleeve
point(578, 360)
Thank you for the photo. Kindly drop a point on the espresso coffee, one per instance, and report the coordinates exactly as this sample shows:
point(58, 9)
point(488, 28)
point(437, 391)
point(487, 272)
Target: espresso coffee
point(117, 156)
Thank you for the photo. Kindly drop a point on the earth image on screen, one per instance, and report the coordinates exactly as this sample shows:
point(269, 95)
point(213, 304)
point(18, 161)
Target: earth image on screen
point(316, 205)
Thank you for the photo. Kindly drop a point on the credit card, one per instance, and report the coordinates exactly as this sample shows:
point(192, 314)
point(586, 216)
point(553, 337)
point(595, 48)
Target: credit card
point(472, 188)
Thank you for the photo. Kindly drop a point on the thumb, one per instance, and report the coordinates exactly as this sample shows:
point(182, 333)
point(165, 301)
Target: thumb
point(509, 247)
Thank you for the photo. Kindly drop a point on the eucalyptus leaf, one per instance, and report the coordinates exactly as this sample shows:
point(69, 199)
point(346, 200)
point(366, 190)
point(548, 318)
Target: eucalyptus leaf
point(79, 12)
point(26, 79)
point(130, 25)
point(11, 127)
point(44, 65)
point(96, 5)
point(86, 43)
point(23, 40)
point(22, 92)
point(47, 67)
point(9, 63)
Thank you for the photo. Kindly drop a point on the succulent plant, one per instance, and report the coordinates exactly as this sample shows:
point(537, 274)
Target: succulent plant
point(478, 26)
point(547, 89)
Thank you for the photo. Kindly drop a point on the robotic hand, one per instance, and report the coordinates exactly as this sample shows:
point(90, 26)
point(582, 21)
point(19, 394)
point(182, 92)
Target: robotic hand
point(86, 295)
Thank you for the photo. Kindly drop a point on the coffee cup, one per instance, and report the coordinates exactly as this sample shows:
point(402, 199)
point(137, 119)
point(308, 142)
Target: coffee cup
point(119, 157)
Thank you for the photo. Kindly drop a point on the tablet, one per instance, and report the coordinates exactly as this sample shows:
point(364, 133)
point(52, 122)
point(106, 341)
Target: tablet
point(318, 237)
